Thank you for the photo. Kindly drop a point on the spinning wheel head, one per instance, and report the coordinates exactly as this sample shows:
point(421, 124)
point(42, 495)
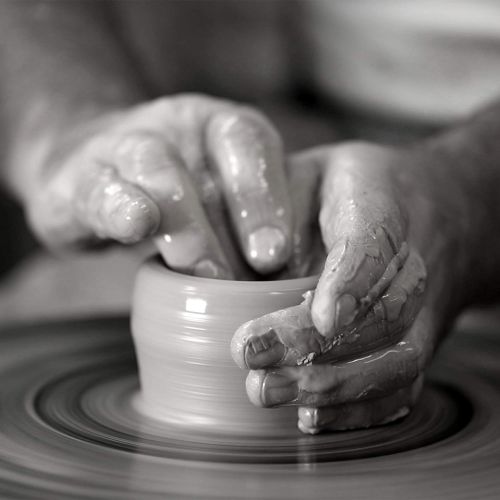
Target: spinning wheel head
point(72, 427)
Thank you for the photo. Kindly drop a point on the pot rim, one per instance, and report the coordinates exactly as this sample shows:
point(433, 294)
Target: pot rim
point(156, 265)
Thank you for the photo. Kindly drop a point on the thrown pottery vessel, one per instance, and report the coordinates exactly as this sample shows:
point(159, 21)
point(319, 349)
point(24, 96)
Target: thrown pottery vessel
point(182, 328)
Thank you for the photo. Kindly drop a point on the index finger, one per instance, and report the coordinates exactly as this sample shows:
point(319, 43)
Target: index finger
point(247, 153)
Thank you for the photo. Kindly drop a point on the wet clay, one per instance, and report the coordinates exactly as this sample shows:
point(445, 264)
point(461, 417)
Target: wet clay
point(182, 328)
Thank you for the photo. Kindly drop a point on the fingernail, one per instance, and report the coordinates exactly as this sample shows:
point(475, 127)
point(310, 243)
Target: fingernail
point(267, 249)
point(264, 350)
point(278, 389)
point(207, 268)
point(345, 310)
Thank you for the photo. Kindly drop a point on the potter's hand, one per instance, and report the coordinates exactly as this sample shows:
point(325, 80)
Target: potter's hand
point(166, 168)
point(353, 353)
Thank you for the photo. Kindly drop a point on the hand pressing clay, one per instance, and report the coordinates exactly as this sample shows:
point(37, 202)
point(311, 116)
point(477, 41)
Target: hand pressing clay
point(353, 354)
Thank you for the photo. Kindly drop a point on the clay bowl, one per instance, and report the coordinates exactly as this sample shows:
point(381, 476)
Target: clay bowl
point(182, 328)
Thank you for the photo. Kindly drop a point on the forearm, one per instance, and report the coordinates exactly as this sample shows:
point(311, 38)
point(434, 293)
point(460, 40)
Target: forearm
point(468, 156)
point(61, 65)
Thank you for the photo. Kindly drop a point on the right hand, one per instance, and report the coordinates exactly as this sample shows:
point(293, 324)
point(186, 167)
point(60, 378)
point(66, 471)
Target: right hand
point(399, 229)
point(170, 168)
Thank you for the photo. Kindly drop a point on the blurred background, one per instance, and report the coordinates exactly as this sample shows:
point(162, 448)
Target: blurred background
point(324, 71)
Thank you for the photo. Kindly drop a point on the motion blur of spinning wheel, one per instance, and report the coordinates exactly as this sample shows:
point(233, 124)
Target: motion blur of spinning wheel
point(70, 427)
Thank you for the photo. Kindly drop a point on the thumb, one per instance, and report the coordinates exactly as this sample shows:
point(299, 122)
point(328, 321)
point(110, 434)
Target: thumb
point(363, 228)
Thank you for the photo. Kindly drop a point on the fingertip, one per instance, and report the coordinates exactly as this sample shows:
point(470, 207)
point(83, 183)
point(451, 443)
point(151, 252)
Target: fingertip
point(308, 418)
point(268, 249)
point(191, 248)
point(307, 430)
point(247, 152)
point(210, 268)
point(132, 220)
point(322, 314)
point(206, 267)
point(254, 384)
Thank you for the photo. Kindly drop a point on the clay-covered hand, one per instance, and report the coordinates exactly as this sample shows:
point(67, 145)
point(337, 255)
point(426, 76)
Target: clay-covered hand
point(184, 169)
point(354, 352)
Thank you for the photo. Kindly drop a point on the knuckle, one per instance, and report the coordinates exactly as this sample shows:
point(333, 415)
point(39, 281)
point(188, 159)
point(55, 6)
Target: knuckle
point(255, 116)
point(183, 108)
point(161, 104)
point(345, 155)
point(138, 141)
point(189, 106)
point(319, 379)
point(146, 153)
point(242, 121)
point(356, 156)
point(355, 150)
point(192, 99)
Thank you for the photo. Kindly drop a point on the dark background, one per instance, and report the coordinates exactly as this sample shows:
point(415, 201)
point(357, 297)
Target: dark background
point(16, 240)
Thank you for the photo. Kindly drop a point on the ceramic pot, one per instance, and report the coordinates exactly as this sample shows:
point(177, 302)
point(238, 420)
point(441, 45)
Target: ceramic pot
point(182, 328)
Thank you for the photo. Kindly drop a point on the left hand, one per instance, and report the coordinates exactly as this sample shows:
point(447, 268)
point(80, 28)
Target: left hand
point(352, 355)
point(203, 176)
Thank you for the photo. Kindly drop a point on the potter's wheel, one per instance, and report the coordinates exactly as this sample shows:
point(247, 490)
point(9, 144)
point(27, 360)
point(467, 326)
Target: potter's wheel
point(71, 427)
